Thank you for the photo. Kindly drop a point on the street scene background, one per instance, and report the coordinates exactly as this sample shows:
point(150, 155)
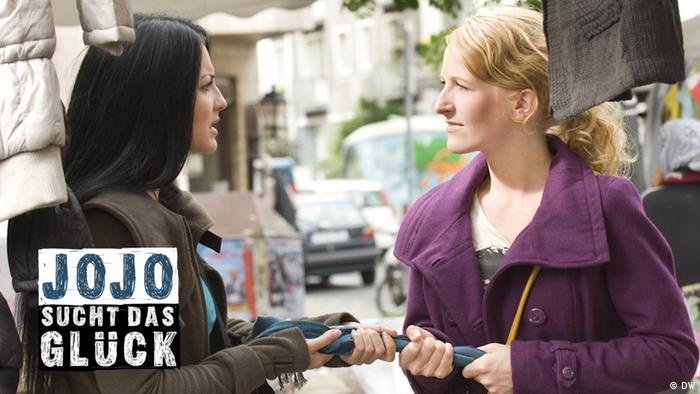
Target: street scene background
point(328, 138)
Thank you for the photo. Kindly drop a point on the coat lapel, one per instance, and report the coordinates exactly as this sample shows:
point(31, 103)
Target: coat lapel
point(568, 228)
point(567, 231)
point(442, 248)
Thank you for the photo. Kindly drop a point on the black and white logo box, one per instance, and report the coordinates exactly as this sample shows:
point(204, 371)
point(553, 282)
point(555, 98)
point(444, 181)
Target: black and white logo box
point(108, 308)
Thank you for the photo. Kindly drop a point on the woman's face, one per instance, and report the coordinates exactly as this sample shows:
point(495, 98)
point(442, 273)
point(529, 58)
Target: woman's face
point(474, 111)
point(208, 103)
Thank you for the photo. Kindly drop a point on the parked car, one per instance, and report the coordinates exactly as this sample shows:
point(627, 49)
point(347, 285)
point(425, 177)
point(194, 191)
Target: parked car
point(337, 239)
point(370, 198)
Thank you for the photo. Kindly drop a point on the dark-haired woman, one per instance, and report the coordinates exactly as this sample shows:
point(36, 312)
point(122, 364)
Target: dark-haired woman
point(132, 121)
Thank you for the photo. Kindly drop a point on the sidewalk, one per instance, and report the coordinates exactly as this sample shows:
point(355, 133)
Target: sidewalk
point(377, 378)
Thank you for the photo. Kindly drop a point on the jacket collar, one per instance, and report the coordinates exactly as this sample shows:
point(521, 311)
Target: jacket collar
point(567, 230)
point(182, 203)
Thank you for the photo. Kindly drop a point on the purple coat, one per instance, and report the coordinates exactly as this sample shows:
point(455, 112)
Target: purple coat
point(605, 314)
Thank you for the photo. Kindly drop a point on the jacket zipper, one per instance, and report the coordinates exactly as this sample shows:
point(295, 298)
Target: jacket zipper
point(193, 258)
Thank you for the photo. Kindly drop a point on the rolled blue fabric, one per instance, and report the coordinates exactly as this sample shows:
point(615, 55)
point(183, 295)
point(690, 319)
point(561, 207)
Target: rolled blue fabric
point(344, 345)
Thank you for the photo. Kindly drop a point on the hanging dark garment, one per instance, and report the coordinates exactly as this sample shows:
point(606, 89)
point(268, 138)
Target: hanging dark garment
point(600, 49)
point(62, 226)
point(10, 350)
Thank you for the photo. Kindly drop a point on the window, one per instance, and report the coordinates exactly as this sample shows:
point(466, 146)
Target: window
point(342, 54)
point(314, 62)
point(365, 47)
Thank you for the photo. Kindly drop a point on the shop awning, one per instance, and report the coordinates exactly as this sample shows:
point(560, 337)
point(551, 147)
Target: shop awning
point(243, 214)
point(65, 11)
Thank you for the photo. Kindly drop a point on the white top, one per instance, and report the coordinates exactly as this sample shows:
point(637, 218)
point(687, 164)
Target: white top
point(490, 245)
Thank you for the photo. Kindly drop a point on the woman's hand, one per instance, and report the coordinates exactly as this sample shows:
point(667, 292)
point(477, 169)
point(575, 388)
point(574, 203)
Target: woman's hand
point(426, 355)
point(492, 369)
point(317, 359)
point(372, 342)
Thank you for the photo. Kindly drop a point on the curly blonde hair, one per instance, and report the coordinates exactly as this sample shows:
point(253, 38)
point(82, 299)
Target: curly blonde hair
point(506, 47)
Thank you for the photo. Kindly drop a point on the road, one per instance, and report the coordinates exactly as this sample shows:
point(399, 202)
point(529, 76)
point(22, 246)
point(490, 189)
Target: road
point(346, 293)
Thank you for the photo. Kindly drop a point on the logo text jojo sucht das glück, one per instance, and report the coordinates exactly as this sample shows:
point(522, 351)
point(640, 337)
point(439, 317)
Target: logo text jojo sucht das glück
point(108, 308)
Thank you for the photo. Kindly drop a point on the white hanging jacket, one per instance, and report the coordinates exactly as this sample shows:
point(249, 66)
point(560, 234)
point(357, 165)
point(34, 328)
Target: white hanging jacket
point(31, 114)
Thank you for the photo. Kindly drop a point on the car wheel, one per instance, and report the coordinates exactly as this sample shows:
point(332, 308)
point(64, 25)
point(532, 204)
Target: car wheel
point(368, 276)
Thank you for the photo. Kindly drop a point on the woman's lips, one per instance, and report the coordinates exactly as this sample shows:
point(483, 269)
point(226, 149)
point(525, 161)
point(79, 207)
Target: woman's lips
point(452, 126)
point(213, 129)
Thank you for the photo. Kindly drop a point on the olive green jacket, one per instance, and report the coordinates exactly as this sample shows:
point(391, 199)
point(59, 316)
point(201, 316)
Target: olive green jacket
point(208, 363)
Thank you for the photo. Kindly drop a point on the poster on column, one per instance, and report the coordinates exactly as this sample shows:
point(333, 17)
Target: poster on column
point(108, 308)
point(286, 263)
point(234, 264)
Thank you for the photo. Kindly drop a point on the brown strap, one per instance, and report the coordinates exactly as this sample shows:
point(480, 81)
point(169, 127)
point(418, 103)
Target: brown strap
point(521, 305)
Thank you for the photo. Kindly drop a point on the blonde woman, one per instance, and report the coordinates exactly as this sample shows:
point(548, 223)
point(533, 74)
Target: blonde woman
point(539, 250)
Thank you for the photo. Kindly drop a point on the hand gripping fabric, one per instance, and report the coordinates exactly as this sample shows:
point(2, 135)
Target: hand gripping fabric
point(267, 325)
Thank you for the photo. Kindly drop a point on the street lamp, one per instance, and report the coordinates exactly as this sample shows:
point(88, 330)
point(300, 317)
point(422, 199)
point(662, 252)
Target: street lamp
point(272, 111)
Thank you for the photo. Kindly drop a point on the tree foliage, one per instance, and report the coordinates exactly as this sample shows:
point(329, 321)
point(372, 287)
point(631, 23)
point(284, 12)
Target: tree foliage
point(431, 50)
point(364, 7)
point(368, 111)
point(450, 7)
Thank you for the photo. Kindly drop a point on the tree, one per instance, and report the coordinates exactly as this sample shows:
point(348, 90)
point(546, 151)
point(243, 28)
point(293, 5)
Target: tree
point(431, 50)
point(368, 111)
point(450, 7)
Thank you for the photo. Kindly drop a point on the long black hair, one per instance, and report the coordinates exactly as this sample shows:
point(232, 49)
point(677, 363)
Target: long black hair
point(129, 123)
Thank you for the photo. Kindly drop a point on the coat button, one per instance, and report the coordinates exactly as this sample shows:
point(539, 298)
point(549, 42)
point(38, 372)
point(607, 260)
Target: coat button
point(536, 317)
point(567, 372)
point(450, 320)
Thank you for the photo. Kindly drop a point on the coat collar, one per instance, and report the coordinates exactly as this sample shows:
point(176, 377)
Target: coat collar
point(182, 203)
point(567, 230)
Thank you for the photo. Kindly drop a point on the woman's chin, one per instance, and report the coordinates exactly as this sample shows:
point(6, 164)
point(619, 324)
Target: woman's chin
point(210, 148)
point(459, 148)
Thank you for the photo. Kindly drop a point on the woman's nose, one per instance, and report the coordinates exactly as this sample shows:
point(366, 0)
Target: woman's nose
point(442, 105)
point(220, 103)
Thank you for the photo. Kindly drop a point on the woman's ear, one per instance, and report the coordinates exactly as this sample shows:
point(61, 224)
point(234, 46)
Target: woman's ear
point(525, 105)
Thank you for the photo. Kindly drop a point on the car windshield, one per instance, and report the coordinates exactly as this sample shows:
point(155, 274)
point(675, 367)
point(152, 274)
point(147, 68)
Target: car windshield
point(331, 214)
point(367, 199)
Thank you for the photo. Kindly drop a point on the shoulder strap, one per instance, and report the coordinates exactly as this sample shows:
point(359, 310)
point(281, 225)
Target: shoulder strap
point(521, 305)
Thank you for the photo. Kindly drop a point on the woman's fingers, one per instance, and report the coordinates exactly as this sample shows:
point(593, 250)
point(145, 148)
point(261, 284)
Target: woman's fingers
point(372, 342)
point(434, 359)
point(324, 340)
point(389, 347)
point(368, 345)
point(420, 363)
point(381, 328)
point(317, 359)
point(427, 356)
point(378, 348)
point(409, 354)
point(445, 367)
point(415, 333)
point(361, 346)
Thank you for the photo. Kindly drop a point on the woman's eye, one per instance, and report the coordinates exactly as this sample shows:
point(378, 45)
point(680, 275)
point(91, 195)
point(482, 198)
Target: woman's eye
point(461, 86)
